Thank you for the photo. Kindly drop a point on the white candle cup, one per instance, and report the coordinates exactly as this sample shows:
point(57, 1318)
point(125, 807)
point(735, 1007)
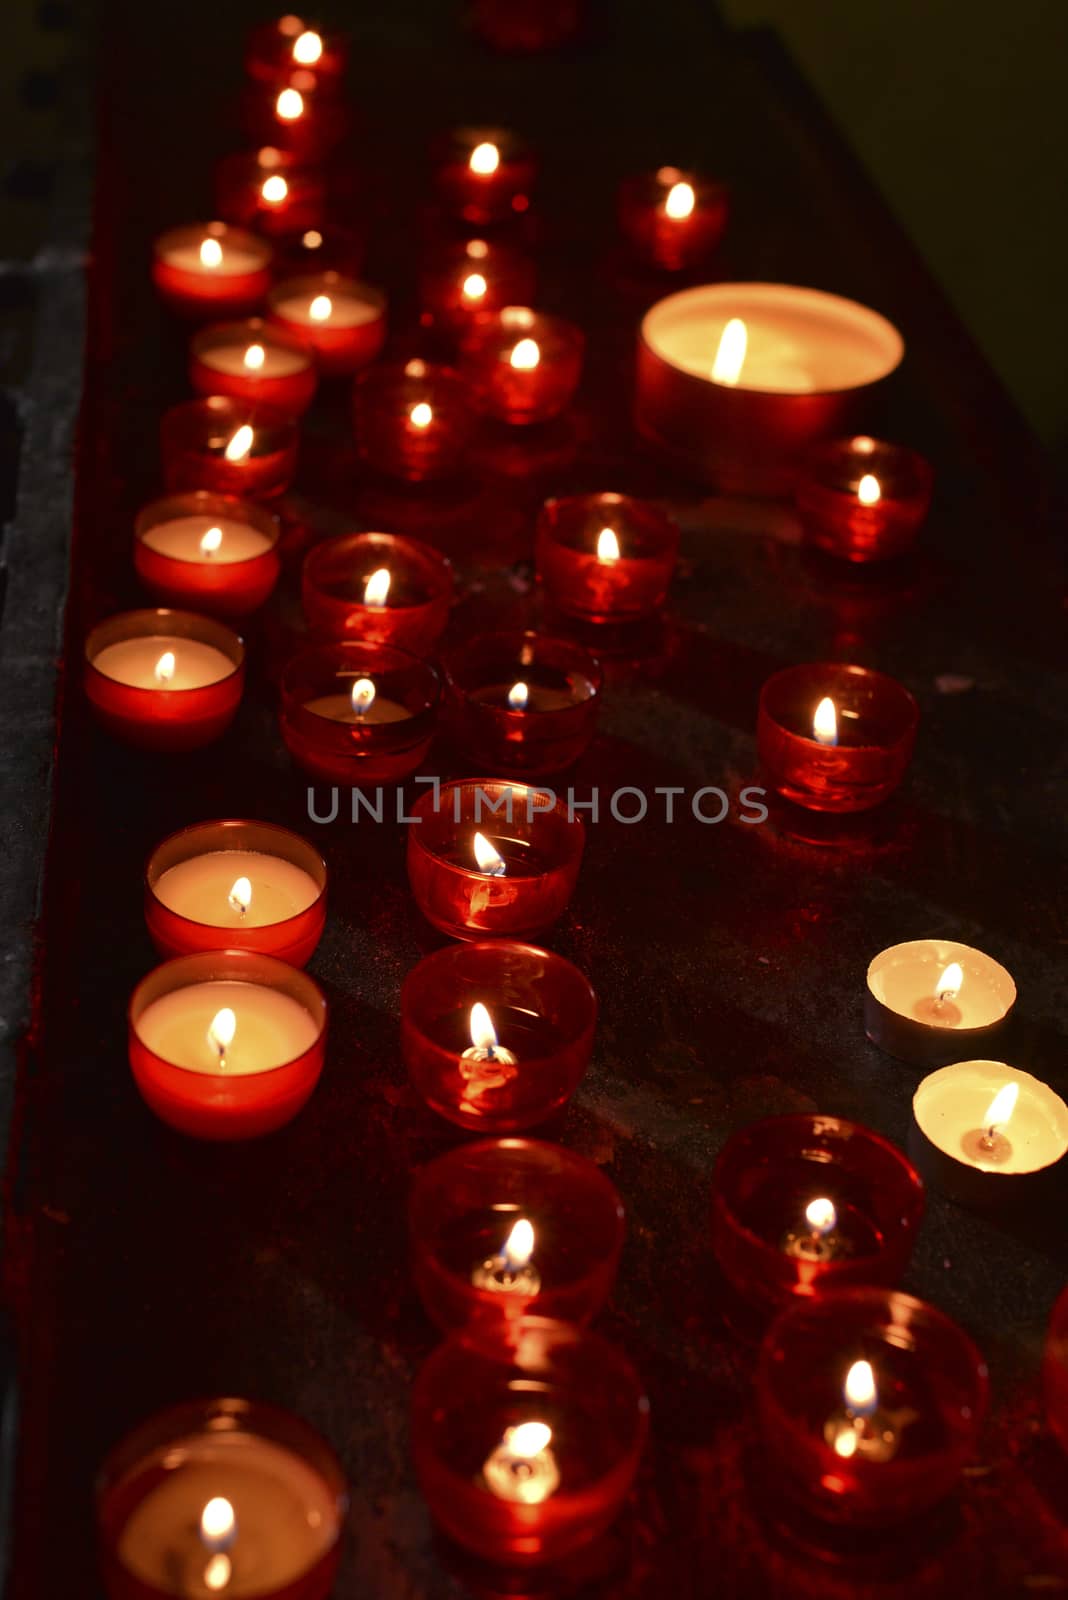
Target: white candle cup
point(812, 362)
point(948, 1138)
point(904, 1017)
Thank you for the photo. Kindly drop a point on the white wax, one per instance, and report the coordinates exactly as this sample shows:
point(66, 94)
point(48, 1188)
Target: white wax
point(347, 310)
point(237, 259)
point(133, 662)
point(905, 979)
point(338, 707)
point(181, 538)
point(278, 360)
point(271, 1027)
point(951, 1105)
point(200, 888)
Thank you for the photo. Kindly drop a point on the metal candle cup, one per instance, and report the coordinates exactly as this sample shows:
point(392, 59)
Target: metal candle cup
point(231, 446)
point(521, 703)
point(413, 421)
point(622, 582)
point(463, 277)
point(255, 362)
point(523, 366)
point(384, 741)
point(269, 189)
point(906, 1015)
point(483, 175)
point(205, 269)
point(672, 219)
point(342, 320)
point(863, 500)
point(164, 709)
point(412, 612)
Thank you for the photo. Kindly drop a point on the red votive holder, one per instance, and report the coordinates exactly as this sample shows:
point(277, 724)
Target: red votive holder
point(164, 680)
point(466, 276)
point(207, 268)
point(280, 47)
point(515, 1061)
point(269, 189)
point(212, 551)
point(265, 1467)
point(848, 757)
point(327, 248)
point(342, 320)
point(492, 857)
point(522, 703)
point(483, 175)
point(413, 421)
point(253, 361)
point(507, 1227)
point(236, 885)
point(1055, 1371)
point(300, 113)
point(804, 1204)
point(357, 713)
point(528, 26)
point(526, 1444)
point(377, 586)
point(523, 366)
point(232, 446)
point(870, 1403)
point(605, 557)
point(226, 1044)
point(864, 500)
point(672, 219)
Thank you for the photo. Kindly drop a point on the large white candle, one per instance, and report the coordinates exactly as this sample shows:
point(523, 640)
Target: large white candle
point(270, 1028)
point(201, 888)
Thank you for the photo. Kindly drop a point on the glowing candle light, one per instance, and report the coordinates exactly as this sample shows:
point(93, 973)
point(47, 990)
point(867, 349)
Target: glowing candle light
point(376, 589)
point(211, 253)
point(474, 286)
point(321, 308)
point(523, 1468)
point(485, 159)
point(362, 696)
point(254, 357)
point(210, 541)
point(949, 984)
point(818, 1240)
point(821, 1216)
point(274, 189)
point(240, 896)
point(290, 105)
point(518, 696)
point(421, 415)
point(999, 1113)
point(869, 490)
point(240, 445)
point(484, 1045)
point(218, 1525)
point(525, 355)
point(608, 545)
point(511, 1271)
point(730, 356)
point(825, 722)
point(680, 201)
point(164, 668)
point(308, 48)
point(221, 1032)
point(489, 860)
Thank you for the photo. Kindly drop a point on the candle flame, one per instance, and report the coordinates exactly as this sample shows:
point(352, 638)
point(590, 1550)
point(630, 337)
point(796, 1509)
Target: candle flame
point(869, 490)
point(290, 105)
point(308, 48)
point(217, 1521)
point(362, 696)
point(730, 357)
point(218, 1572)
point(274, 189)
point(421, 415)
point(240, 896)
point(475, 286)
point(607, 545)
point(525, 355)
point(483, 1033)
point(321, 308)
point(210, 541)
point(519, 1245)
point(476, 249)
point(240, 445)
point(210, 253)
point(825, 722)
point(861, 1394)
point(821, 1215)
point(311, 240)
point(518, 695)
point(845, 1442)
point(949, 984)
point(1001, 1108)
point(680, 201)
point(164, 669)
point(528, 1439)
point(485, 159)
point(255, 356)
point(376, 589)
point(489, 860)
point(221, 1032)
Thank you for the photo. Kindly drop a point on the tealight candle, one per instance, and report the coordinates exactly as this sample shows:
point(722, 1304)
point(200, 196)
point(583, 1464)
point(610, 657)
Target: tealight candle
point(214, 551)
point(986, 1133)
point(490, 857)
point(672, 219)
point(412, 422)
point(834, 737)
point(236, 885)
point(526, 1444)
point(227, 1044)
point(523, 366)
point(206, 268)
point(505, 1227)
point(280, 47)
point(221, 1497)
point(229, 445)
point(1055, 1371)
point(269, 188)
point(521, 703)
point(299, 112)
point(932, 1001)
point(342, 320)
point(863, 500)
point(483, 174)
point(496, 1035)
point(466, 276)
point(253, 361)
point(377, 586)
point(737, 381)
point(359, 712)
point(164, 680)
point(605, 557)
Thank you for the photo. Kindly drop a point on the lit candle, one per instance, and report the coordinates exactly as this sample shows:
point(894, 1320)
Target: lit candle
point(985, 1132)
point(236, 889)
point(357, 711)
point(825, 722)
point(344, 321)
point(607, 558)
point(221, 540)
point(414, 421)
point(934, 1001)
point(268, 189)
point(299, 111)
point(215, 552)
point(377, 586)
point(253, 362)
point(522, 702)
point(230, 445)
point(523, 1468)
point(205, 268)
point(276, 47)
point(862, 1429)
point(487, 858)
point(164, 679)
point(361, 705)
point(672, 219)
point(462, 278)
point(483, 174)
point(511, 1271)
point(819, 1239)
point(523, 365)
point(163, 662)
point(863, 500)
point(227, 1027)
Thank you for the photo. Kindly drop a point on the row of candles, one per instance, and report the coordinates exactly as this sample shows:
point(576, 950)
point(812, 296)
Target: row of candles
point(527, 1426)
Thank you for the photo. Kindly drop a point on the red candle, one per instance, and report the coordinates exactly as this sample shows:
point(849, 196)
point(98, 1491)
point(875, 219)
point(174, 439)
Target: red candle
point(870, 1403)
point(164, 680)
point(496, 1035)
point(526, 1445)
point(412, 422)
point(521, 703)
point(215, 552)
point(233, 446)
point(483, 174)
point(253, 361)
point(863, 500)
point(672, 219)
point(205, 268)
point(605, 557)
point(528, 26)
point(270, 188)
point(834, 737)
point(357, 713)
point(227, 1044)
point(377, 586)
point(523, 365)
point(299, 112)
point(328, 248)
point(280, 47)
point(1055, 1371)
point(236, 885)
point(342, 320)
point(491, 857)
point(465, 276)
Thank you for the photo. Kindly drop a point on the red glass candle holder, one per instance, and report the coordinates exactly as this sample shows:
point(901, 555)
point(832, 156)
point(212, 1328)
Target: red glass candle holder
point(342, 320)
point(164, 680)
point(280, 47)
point(236, 885)
point(270, 190)
point(871, 1448)
point(528, 26)
point(205, 269)
point(300, 112)
point(512, 1067)
point(213, 551)
point(507, 1227)
point(531, 1496)
point(463, 277)
point(874, 722)
point(413, 421)
point(271, 1471)
point(863, 500)
point(339, 735)
point(605, 557)
point(228, 445)
point(1055, 1371)
point(327, 248)
point(523, 366)
point(531, 845)
point(341, 577)
point(672, 219)
point(804, 1204)
point(270, 1064)
point(483, 175)
point(521, 703)
point(255, 362)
